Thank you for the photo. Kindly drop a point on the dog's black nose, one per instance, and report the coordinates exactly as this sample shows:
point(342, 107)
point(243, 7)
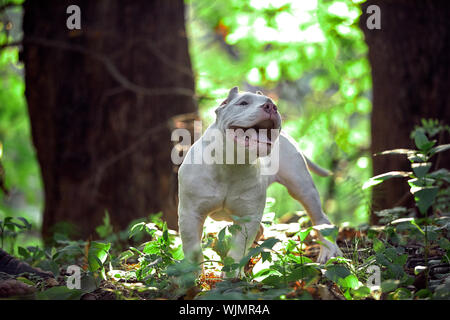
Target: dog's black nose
point(269, 107)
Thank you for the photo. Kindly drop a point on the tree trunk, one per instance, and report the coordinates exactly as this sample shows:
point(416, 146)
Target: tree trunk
point(100, 100)
point(409, 57)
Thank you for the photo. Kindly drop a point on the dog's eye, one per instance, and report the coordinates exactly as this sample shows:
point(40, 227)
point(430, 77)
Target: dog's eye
point(243, 103)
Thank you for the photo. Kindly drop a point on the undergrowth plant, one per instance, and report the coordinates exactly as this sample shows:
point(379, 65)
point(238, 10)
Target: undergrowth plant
point(430, 220)
point(10, 228)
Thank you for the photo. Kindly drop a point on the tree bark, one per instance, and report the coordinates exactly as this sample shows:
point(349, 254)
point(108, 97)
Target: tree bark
point(100, 100)
point(409, 57)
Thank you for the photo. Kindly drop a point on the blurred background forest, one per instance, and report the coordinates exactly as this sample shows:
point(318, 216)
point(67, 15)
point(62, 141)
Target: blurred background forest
point(309, 56)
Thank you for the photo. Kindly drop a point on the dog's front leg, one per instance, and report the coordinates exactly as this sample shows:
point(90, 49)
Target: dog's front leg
point(242, 240)
point(190, 225)
point(294, 175)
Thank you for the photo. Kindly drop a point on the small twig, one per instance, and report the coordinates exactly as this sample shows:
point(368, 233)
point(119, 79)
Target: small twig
point(111, 68)
point(11, 44)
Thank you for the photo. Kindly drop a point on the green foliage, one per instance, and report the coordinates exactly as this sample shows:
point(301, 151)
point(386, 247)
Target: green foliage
point(156, 268)
point(431, 194)
point(106, 229)
point(10, 228)
point(425, 186)
point(21, 169)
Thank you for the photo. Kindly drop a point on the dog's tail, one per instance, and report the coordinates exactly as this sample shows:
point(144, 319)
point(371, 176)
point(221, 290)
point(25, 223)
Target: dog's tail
point(317, 169)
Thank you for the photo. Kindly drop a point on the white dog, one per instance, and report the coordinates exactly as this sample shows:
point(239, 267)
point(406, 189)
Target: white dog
point(226, 190)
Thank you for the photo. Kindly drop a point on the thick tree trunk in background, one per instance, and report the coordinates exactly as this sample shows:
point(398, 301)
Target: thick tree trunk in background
point(100, 131)
point(410, 60)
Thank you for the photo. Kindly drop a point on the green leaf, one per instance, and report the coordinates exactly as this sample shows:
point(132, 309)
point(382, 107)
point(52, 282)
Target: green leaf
point(336, 272)
point(26, 224)
point(401, 294)
point(26, 281)
point(420, 139)
point(381, 259)
point(151, 248)
point(273, 280)
point(178, 253)
point(385, 176)
point(444, 243)
point(269, 243)
point(350, 281)
point(421, 169)
point(396, 270)
point(239, 219)
point(440, 148)
point(125, 255)
point(406, 223)
point(106, 229)
point(89, 283)
point(266, 256)
point(328, 231)
point(389, 285)
point(306, 273)
point(378, 246)
point(23, 252)
point(304, 233)
point(98, 252)
point(417, 157)
point(94, 263)
point(397, 151)
point(221, 234)
point(165, 233)
point(49, 265)
point(223, 244)
point(265, 272)
point(440, 174)
point(424, 197)
point(60, 293)
point(390, 253)
point(234, 229)
point(423, 293)
point(361, 292)
point(136, 229)
point(71, 249)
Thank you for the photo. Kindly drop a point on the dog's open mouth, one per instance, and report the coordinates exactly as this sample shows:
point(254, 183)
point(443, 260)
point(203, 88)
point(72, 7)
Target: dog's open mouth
point(261, 132)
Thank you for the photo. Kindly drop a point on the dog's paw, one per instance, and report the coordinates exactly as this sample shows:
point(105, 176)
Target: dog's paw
point(328, 250)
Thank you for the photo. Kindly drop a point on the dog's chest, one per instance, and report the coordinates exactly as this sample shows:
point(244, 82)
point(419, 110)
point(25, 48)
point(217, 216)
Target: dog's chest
point(243, 196)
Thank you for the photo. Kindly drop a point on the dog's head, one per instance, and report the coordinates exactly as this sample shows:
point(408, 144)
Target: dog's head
point(250, 119)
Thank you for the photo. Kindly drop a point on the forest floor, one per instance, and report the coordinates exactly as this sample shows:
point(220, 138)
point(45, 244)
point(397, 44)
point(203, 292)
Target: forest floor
point(396, 261)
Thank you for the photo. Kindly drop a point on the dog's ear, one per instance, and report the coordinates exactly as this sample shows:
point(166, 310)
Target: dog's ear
point(231, 95)
point(260, 93)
